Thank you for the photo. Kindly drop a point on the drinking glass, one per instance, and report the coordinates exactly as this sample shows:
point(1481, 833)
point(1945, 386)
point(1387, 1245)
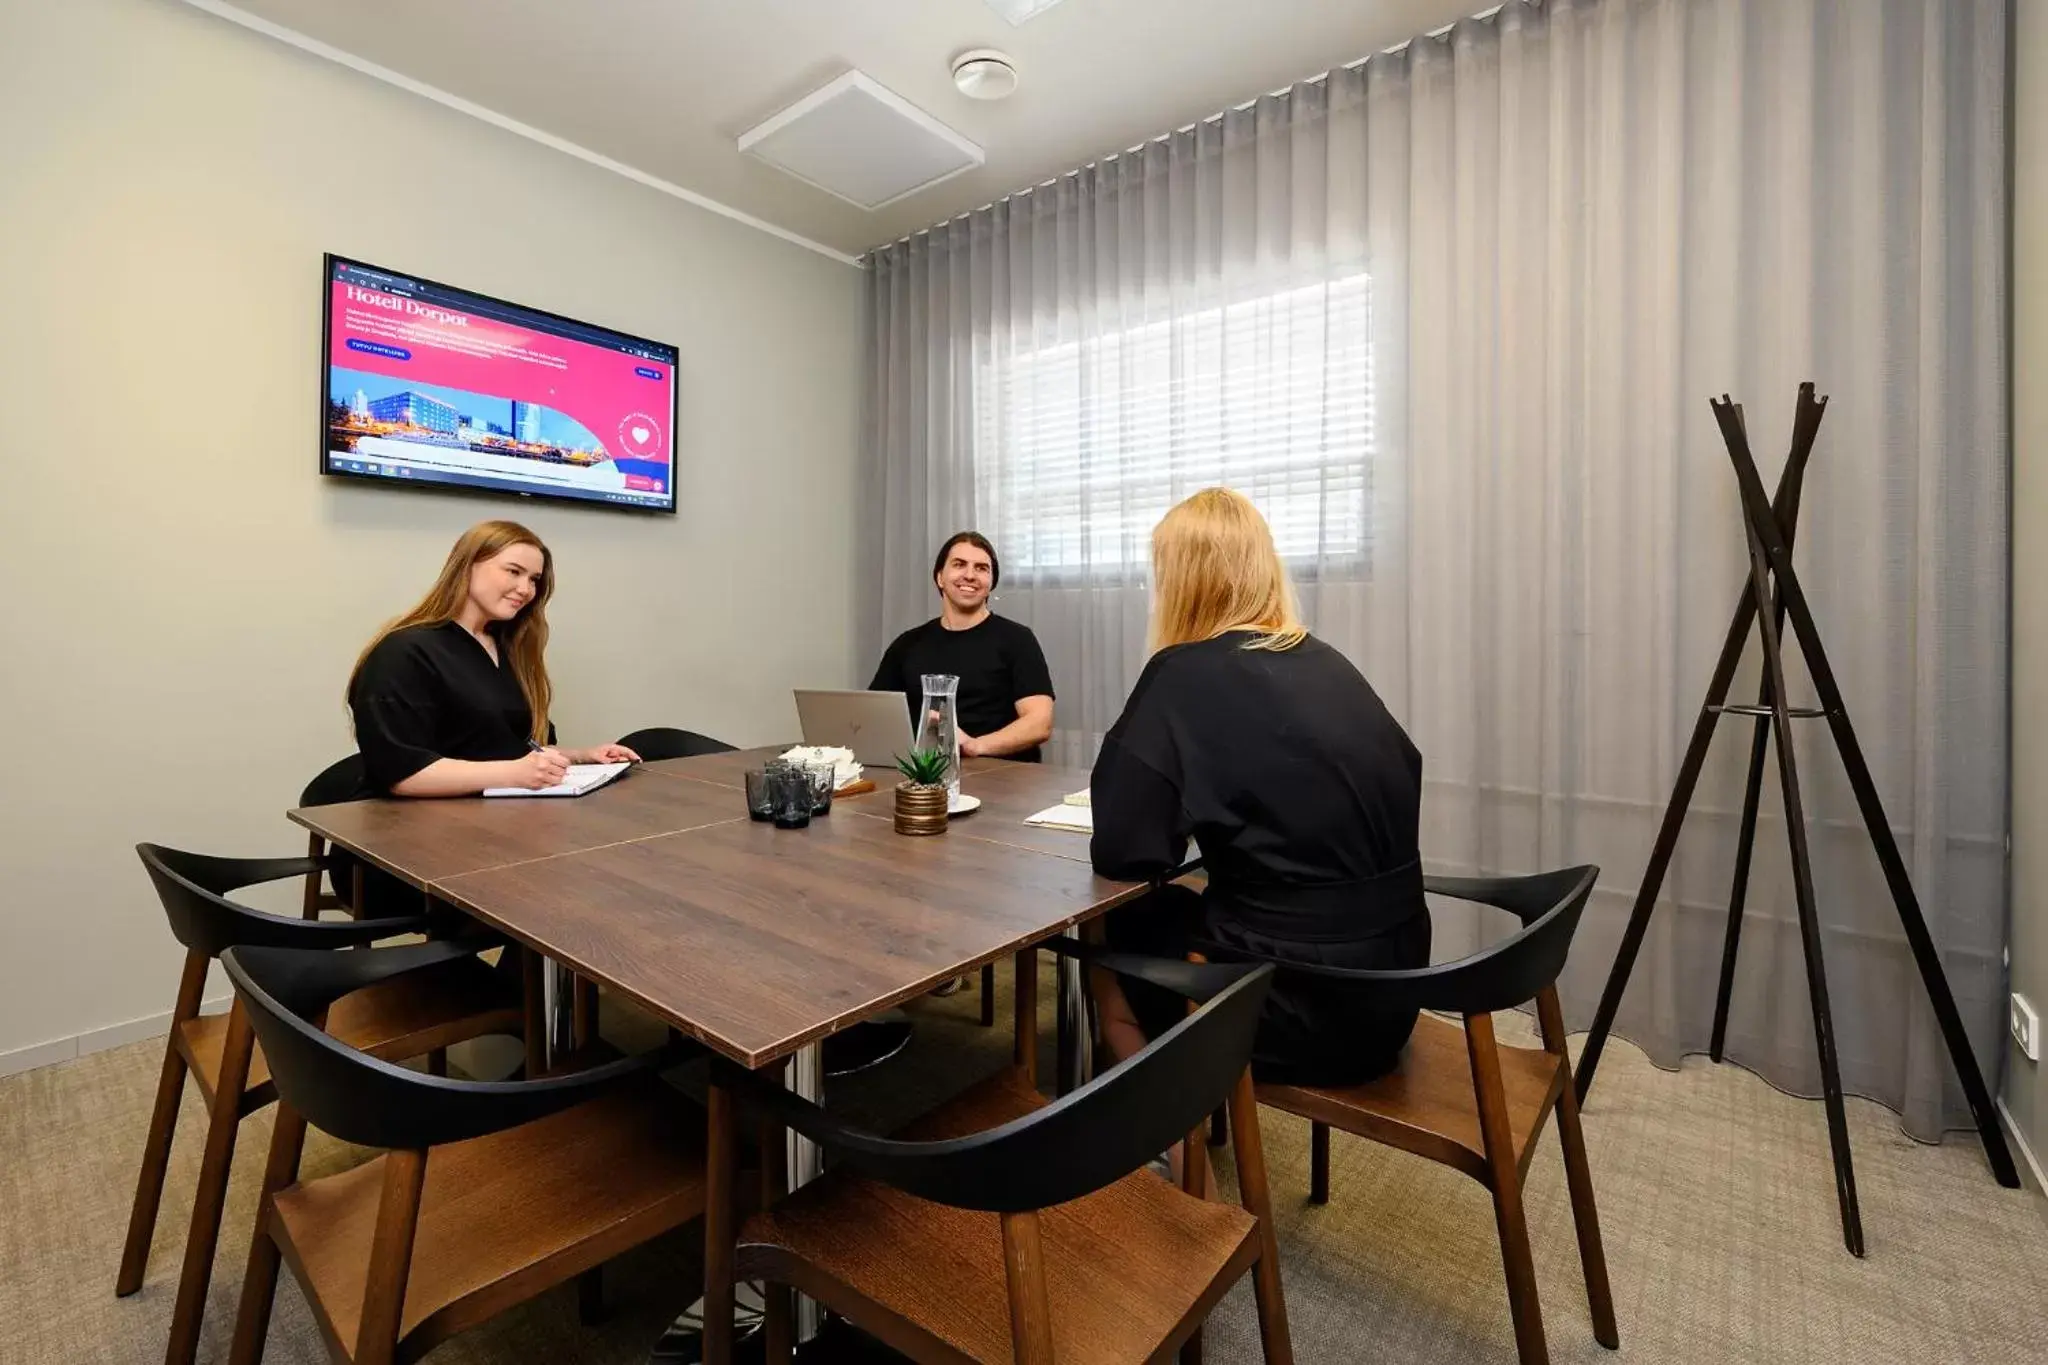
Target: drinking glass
point(824, 781)
point(760, 796)
point(790, 786)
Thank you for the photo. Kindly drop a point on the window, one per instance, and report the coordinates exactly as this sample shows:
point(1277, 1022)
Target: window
point(1081, 446)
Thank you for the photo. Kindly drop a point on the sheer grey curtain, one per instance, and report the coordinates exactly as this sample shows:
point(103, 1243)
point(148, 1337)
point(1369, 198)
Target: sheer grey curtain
point(1452, 318)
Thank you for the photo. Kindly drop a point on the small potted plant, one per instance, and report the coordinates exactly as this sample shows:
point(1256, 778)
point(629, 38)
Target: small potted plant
point(921, 796)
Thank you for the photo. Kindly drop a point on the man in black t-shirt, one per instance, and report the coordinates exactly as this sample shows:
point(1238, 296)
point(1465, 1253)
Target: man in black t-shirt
point(1005, 695)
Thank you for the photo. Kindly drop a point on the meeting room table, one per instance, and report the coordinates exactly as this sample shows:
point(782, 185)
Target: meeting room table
point(757, 942)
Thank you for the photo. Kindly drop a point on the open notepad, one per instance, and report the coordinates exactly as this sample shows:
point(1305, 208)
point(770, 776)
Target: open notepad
point(583, 777)
point(1074, 814)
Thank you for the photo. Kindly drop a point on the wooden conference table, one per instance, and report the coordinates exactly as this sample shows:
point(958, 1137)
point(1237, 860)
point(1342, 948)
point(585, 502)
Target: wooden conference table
point(755, 941)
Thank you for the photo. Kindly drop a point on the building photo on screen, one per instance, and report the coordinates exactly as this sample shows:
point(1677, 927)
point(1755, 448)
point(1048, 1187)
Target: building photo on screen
point(428, 384)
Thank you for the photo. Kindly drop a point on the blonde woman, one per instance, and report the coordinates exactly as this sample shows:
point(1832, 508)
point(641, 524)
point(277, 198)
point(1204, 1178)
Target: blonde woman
point(452, 697)
point(1271, 751)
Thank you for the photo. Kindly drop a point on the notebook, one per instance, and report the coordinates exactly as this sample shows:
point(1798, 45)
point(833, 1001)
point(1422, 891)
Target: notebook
point(1079, 819)
point(582, 778)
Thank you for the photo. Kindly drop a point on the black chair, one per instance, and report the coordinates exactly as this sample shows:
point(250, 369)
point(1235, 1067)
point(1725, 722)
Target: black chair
point(1006, 1226)
point(338, 782)
point(657, 742)
point(1460, 1099)
point(484, 1195)
point(454, 997)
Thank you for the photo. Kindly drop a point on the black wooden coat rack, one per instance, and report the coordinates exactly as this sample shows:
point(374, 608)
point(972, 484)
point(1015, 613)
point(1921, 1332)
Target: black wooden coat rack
point(1770, 596)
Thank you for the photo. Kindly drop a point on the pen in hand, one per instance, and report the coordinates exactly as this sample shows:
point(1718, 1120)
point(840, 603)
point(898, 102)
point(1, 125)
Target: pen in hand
point(547, 778)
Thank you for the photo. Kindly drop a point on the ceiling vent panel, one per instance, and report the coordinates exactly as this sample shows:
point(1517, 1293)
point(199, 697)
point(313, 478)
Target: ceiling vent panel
point(856, 139)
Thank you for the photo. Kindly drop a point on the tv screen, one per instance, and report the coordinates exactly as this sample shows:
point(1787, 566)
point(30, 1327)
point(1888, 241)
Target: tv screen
point(435, 386)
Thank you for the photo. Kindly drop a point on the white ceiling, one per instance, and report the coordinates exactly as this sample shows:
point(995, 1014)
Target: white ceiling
point(667, 86)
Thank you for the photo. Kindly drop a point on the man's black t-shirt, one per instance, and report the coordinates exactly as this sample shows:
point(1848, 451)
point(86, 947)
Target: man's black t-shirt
point(998, 663)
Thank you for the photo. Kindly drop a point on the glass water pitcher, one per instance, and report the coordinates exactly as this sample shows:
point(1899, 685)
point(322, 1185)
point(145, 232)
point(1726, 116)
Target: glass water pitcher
point(939, 726)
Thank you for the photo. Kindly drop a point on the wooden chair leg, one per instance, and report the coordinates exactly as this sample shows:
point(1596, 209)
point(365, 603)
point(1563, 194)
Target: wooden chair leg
point(437, 1062)
point(774, 1163)
point(1578, 1176)
point(163, 1126)
point(316, 847)
point(1257, 1197)
point(398, 1214)
point(720, 1230)
point(778, 1324)
point(988, 995)
point(1504, 1178)
point(203, 1238)
point(259, 1282)
point(1319, 1163)
point(1027, 1015)
point(1024, 1273)
point(1194, 1166)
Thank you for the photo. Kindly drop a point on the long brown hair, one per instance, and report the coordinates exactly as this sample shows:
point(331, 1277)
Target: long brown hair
point(523, 640)
point(1215, 569)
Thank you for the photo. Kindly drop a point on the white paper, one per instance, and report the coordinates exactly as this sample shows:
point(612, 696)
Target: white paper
point(583, 777)
point(1079, 819)
point(1079, 798)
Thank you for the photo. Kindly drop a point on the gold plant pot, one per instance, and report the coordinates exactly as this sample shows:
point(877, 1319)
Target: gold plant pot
point(920, 810)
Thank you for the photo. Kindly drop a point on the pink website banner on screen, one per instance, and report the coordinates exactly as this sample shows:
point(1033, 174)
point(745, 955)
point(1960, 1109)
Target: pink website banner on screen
point(428, 384)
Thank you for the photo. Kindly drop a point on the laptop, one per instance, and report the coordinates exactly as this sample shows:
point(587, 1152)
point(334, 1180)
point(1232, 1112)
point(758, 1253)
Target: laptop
point(875, 725)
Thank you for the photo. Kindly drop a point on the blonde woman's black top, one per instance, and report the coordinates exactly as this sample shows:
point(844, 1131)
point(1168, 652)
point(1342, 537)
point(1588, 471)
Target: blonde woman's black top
point(1304, 795)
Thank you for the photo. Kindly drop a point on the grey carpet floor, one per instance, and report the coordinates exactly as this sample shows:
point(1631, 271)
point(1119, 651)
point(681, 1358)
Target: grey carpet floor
point(1715, 1193)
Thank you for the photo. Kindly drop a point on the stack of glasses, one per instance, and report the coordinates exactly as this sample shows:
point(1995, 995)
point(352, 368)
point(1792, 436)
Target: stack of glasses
point(789, 793)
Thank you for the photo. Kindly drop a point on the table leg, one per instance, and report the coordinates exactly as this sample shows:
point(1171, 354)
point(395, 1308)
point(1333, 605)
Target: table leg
point(804, 1160)
point(805, 1076)
point(558, 1010)
point(1076, 1024)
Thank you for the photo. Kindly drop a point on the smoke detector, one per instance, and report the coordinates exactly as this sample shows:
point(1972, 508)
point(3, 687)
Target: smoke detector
point(984, 74)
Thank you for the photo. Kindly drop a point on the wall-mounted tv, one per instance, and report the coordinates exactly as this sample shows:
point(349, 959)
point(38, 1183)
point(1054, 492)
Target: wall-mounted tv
point(431, 386)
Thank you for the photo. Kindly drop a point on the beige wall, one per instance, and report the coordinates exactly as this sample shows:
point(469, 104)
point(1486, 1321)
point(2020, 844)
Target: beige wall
point(2026, 1083)
point(183, 595)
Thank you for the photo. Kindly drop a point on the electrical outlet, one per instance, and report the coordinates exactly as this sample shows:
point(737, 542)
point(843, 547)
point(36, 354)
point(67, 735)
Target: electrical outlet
point(2026, 1027)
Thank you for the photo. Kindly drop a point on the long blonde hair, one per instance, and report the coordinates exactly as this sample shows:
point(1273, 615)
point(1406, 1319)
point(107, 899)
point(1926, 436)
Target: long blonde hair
point(523, 639)
point(1215, 569)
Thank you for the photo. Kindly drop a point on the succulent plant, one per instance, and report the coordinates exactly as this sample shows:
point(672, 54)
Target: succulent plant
point(925, 767)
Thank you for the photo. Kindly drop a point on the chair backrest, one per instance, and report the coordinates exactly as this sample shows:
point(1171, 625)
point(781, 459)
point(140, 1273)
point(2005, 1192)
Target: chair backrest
point(657, 742)
point(1088, 1139)
point(1497, 977)
point(193, 888)
point(338, 782)
point(357, 1098)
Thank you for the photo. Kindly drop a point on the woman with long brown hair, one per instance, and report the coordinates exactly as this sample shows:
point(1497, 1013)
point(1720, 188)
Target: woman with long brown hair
point(1272, 752)
point(452, 697)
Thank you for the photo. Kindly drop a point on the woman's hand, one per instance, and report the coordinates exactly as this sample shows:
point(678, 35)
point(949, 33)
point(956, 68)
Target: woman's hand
point(540, 768)
point(604, 753)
